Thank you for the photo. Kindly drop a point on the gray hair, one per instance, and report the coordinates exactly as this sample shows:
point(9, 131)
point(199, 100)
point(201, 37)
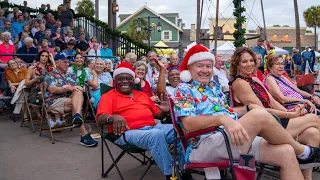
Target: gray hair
point(6, 34)
point(2, 12)
point(28, 39)
point(109, 61)
point(140, 63)
point(164, 59)
point(151, 52)
point(130, 56)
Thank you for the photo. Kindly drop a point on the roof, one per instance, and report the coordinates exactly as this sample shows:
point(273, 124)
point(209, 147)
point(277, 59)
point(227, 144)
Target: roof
point(170, 14)
point(153, 12)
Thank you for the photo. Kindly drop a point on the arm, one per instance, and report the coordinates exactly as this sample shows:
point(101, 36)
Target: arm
point(29, 81)
point(86, 51)
point(93, 82)
point(161, 85)
point(60, 90)
point(196, 123)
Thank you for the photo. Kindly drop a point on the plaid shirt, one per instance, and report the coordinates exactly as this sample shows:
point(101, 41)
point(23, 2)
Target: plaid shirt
point(13, 33)
point(55, 78)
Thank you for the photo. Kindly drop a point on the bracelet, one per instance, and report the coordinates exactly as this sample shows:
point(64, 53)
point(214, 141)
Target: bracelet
point(108, 118)
point(248, 107)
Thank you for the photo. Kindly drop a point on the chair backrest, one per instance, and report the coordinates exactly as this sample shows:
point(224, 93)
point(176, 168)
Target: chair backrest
point(176, 125)
point(306, 82)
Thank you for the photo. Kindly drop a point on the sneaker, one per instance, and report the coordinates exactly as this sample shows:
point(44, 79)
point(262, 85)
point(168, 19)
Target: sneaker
point(87, 141)
point(51, 123)
point(77, 119)
point(61, 123)
point(312, 161)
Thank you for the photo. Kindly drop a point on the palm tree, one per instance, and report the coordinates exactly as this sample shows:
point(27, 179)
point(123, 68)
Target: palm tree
point(296, 13)
point(132, 29)
point(312, 18)
point(85, 7)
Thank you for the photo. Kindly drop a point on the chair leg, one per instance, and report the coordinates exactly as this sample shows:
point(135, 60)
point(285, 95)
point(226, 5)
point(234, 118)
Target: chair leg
point(114, 162)
point(30, 115)
point(23, 112)
point(102, 153)
point(260, 173)
point(145, 172)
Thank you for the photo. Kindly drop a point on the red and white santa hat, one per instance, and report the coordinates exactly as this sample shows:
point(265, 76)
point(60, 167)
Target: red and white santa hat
point(195, 54)
point(126, 68)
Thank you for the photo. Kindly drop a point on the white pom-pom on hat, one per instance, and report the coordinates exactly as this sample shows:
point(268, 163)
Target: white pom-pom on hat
point(185, 76)
point(137, 80)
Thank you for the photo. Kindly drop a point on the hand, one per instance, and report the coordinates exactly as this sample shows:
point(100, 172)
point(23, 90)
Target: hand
point(69, 88)
point(78, 88)
point(94, 73)
point(164, 106)
point(312, 106)
point(237, 133)
point(160, 64)
point(119, 123)
point(13, 88)
point(298, 111)
point(155, 98)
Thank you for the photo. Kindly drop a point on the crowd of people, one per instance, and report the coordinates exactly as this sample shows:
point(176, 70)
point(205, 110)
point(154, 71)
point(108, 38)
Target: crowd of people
point(142, 85)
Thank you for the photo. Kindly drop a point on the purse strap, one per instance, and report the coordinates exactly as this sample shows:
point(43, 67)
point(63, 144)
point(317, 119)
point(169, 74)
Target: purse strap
point(286, 84)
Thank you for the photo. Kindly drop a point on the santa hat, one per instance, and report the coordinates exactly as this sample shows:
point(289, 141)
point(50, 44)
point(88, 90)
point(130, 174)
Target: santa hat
point(125, 67)
point(195, 54)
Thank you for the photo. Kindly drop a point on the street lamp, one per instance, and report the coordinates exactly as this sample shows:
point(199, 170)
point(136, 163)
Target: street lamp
point(115, 7)
point(150, 27)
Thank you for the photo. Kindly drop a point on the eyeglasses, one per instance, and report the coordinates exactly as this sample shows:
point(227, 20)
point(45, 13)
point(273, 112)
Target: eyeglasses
point(10, 64)
point(279, 64)
point(124, 78)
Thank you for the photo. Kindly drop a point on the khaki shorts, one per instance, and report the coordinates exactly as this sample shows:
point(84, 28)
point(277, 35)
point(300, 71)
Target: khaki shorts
point(213, 148)
point(296, 67)
point(58, 105)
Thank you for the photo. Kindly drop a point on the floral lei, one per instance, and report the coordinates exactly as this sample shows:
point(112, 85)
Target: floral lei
point(82, 77)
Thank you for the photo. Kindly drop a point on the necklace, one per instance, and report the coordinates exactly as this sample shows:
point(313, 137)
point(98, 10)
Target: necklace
point(82, 77)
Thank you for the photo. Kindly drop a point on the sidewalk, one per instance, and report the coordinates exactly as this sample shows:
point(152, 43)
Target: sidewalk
point(26, 156)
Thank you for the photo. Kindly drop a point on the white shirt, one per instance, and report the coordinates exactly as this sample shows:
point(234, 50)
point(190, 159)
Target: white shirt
point(92, 52)
point(149, 74)
point(222, 75)
point(170, 90)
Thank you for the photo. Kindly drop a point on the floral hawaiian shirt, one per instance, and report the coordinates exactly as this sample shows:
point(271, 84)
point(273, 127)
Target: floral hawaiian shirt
point(55, 78)
point(194, 99)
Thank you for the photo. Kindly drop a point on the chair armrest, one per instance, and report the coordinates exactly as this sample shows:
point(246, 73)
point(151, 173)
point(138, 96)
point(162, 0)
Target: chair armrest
point(200, 132)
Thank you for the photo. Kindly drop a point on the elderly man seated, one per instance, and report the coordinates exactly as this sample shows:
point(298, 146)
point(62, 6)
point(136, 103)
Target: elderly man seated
point(63, 94)
point(133, 113)
point(199, 106)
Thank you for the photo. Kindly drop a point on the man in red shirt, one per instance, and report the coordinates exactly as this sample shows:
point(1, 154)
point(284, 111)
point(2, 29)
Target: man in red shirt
point(174, 61)
point(133, 113)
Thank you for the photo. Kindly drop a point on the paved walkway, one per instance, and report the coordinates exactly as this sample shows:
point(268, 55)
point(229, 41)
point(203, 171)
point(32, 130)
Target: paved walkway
point(26, 156)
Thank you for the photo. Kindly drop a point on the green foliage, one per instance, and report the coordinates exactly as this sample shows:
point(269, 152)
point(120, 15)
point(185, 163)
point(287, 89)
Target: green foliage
point(132, 29)
point(308, 31)
point(85, 7)
point(285, 26)
point(276, 25)
point(312, 16)
point(239, 35)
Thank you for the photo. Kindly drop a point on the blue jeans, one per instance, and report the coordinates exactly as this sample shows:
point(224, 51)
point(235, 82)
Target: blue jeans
point(156, 140)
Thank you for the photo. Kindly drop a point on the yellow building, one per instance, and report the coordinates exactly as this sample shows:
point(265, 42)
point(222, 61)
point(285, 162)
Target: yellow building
point(227, 29)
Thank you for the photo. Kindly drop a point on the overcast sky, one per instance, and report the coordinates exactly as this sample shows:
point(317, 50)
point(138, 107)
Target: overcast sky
point(276, 11)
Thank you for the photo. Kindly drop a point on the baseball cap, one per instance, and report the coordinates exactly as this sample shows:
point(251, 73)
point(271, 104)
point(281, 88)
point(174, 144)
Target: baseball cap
point(61, 56)
point(105, 43)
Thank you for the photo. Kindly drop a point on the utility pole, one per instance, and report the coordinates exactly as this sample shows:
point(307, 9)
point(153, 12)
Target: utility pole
point(198, 22)
point(264, 21)
point(96, 9)
point(296, 13)
point(216, 29)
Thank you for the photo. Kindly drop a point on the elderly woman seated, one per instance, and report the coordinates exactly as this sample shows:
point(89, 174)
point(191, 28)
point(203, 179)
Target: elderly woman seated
point(109, 67)
point(282, 89)
point(97, 77)
point(247, 90)
point(141, 70)
point(15, 75)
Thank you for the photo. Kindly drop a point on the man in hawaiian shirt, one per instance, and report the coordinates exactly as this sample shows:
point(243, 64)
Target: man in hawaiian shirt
point(63, 94)
point(198, 107)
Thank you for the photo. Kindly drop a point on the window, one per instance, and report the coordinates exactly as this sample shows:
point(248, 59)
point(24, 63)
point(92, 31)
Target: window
point(166, 35)
point(123, 32)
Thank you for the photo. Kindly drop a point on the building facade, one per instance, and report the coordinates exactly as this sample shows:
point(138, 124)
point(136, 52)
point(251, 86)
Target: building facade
point(285, 37)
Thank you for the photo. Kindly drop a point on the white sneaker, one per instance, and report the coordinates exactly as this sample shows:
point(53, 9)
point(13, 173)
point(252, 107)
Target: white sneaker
point(61, 123)
point(51, 123)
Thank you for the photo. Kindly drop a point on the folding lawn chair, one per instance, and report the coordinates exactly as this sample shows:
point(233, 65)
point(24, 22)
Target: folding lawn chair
point(307, 83)
point(128, 148)
point(89, 110)
point(184, 137)
point(26, 110)
point(46, 111)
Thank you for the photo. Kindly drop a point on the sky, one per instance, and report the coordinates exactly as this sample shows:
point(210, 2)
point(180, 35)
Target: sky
point(276, 11)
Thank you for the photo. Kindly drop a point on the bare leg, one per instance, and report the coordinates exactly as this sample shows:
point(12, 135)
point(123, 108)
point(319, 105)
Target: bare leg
point(297, 125)
point(259, 121)
point(282, 156)
point(310, 136)
point(77, 101)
